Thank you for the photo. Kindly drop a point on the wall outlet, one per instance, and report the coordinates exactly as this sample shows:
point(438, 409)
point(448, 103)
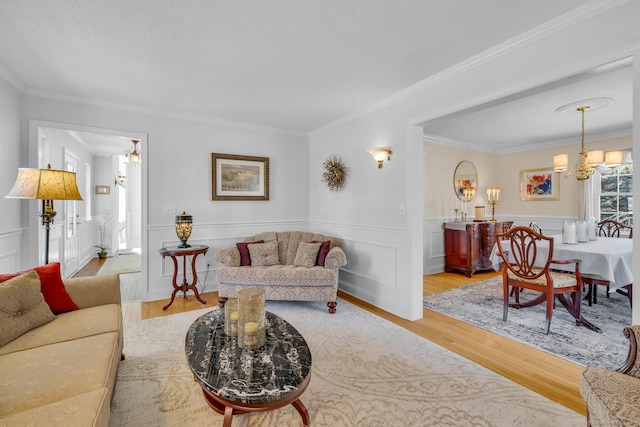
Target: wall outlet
point(170, 209)
point(209, 262)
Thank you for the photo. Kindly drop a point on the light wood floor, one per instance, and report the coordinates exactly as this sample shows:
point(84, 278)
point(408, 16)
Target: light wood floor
point(551, 376)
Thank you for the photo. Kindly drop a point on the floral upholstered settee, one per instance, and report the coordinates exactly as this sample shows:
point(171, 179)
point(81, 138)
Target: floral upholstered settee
point(612, 396)
point(291, 266)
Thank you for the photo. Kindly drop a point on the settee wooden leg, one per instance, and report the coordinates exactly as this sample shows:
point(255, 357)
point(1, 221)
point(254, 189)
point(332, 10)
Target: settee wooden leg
point(332, 306)
point(121, 357)
point(221, 302)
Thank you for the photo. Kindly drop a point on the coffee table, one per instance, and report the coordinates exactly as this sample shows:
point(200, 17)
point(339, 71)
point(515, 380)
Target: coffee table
point(238, 381)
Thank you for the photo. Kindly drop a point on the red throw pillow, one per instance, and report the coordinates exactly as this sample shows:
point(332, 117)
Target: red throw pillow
point(322, 253)
point(51, 286)
point(245, 258)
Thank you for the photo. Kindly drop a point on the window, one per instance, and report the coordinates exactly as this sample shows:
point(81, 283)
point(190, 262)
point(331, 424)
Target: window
point(616, 195)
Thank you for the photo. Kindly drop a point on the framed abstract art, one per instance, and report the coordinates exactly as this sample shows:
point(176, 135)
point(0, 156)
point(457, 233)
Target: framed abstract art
point(539, 185)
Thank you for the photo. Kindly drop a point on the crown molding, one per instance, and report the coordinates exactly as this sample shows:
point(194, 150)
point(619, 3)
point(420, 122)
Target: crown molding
point(10, 76)
point(527, 146)
point(560, 23)
point(56, 96)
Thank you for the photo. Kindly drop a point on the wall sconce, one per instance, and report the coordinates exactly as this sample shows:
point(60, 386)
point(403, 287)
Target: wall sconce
point(380, 154)
point(120, 180)
point(133, 155)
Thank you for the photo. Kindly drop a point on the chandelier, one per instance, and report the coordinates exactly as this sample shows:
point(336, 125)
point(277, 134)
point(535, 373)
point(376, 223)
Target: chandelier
point(133, 155)
point(591, 161)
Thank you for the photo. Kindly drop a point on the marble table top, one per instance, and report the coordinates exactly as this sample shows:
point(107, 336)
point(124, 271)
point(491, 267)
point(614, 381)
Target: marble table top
point(258, 376)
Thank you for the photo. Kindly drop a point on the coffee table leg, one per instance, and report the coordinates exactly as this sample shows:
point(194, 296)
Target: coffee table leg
point(302, 410)
point(228, 414)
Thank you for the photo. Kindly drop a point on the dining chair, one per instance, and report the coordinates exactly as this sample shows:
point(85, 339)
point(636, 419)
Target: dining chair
point(612, 228)
point(522, 259)
point(535, 227)
point(608, 228)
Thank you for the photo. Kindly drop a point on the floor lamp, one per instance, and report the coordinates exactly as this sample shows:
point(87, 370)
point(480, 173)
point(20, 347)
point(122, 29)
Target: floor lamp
point(46, 185)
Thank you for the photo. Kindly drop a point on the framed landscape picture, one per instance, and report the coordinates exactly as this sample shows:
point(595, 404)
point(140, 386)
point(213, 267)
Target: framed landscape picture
point(539, 184)
point(236, 177)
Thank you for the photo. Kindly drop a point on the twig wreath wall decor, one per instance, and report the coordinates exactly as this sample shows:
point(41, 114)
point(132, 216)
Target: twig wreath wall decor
point(335, 173)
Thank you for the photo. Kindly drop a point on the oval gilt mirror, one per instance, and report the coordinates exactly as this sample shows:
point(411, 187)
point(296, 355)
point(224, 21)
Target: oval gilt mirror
point(465, 181)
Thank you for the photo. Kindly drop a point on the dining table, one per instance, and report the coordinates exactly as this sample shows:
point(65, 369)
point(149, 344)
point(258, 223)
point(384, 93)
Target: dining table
point(608, 258)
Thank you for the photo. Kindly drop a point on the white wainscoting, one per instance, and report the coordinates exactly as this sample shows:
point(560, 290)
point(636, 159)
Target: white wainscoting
point(374, 270)
point(434, 236)
point(11, 248)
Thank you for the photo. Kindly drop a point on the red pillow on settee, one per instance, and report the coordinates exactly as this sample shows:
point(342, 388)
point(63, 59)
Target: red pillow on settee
point(51, 286)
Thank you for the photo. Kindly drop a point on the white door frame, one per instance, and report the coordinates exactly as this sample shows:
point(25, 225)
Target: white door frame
point(35, 160)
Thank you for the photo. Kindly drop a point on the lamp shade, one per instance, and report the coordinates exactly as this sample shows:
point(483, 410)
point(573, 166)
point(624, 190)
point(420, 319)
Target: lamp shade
point(48, 184)
point(560, 162)
point(595, 157)
point(613, 158)
point(380, 154)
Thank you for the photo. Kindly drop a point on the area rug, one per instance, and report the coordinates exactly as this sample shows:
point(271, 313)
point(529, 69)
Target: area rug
point(119, 264)
point(131, 287)
point(366, 372)
point(480, 304)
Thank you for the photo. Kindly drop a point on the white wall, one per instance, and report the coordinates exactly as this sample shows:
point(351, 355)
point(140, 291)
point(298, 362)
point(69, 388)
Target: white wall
point(13, 225)
point(176, 156)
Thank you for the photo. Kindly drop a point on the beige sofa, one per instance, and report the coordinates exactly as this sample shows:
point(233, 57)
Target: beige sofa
point(288, 274)
point(63, 373)
point(612, 397)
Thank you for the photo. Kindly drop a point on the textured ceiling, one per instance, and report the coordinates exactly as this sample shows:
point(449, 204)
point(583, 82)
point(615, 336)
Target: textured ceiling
point(529, 120)
point(293, 65)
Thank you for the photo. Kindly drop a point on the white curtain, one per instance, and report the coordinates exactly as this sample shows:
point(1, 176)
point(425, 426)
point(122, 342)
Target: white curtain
point(589, 198)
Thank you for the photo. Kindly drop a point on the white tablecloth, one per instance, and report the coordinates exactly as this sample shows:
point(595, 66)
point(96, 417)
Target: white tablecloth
point(607, 257)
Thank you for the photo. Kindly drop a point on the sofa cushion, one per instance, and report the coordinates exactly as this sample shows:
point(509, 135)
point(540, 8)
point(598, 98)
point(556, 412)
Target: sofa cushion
point(55, 372)
point(52, 287)
point(69, 326)
point(22, 307)
point(245, 257)
point(264, 254)
point(87, 409)
point(277, 275)
point(307, 254)
point(322, 253)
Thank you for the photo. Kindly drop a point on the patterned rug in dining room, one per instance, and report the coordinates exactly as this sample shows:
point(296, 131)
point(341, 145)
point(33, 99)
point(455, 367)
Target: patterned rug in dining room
point(480, 304)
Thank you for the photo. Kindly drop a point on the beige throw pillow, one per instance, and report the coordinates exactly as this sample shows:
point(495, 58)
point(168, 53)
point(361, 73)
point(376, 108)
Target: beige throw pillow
point(264, 253)
point(22, 306)
point(307, 254)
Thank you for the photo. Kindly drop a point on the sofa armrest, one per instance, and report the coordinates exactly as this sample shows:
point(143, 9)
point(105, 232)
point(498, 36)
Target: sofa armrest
point(230, 256)
point(335, 258)
point(92, 291)
point(632, 364)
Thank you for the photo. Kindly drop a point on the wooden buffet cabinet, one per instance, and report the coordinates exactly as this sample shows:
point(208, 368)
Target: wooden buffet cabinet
point(468, 245)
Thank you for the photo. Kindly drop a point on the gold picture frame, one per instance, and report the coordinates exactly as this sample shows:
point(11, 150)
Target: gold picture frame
point(236, 177)
point(539, 185)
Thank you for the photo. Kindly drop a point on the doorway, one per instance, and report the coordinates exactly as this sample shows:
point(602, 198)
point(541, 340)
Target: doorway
point(94, 154)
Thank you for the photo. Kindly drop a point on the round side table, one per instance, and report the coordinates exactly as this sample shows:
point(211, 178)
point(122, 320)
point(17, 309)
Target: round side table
point(174, 252)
